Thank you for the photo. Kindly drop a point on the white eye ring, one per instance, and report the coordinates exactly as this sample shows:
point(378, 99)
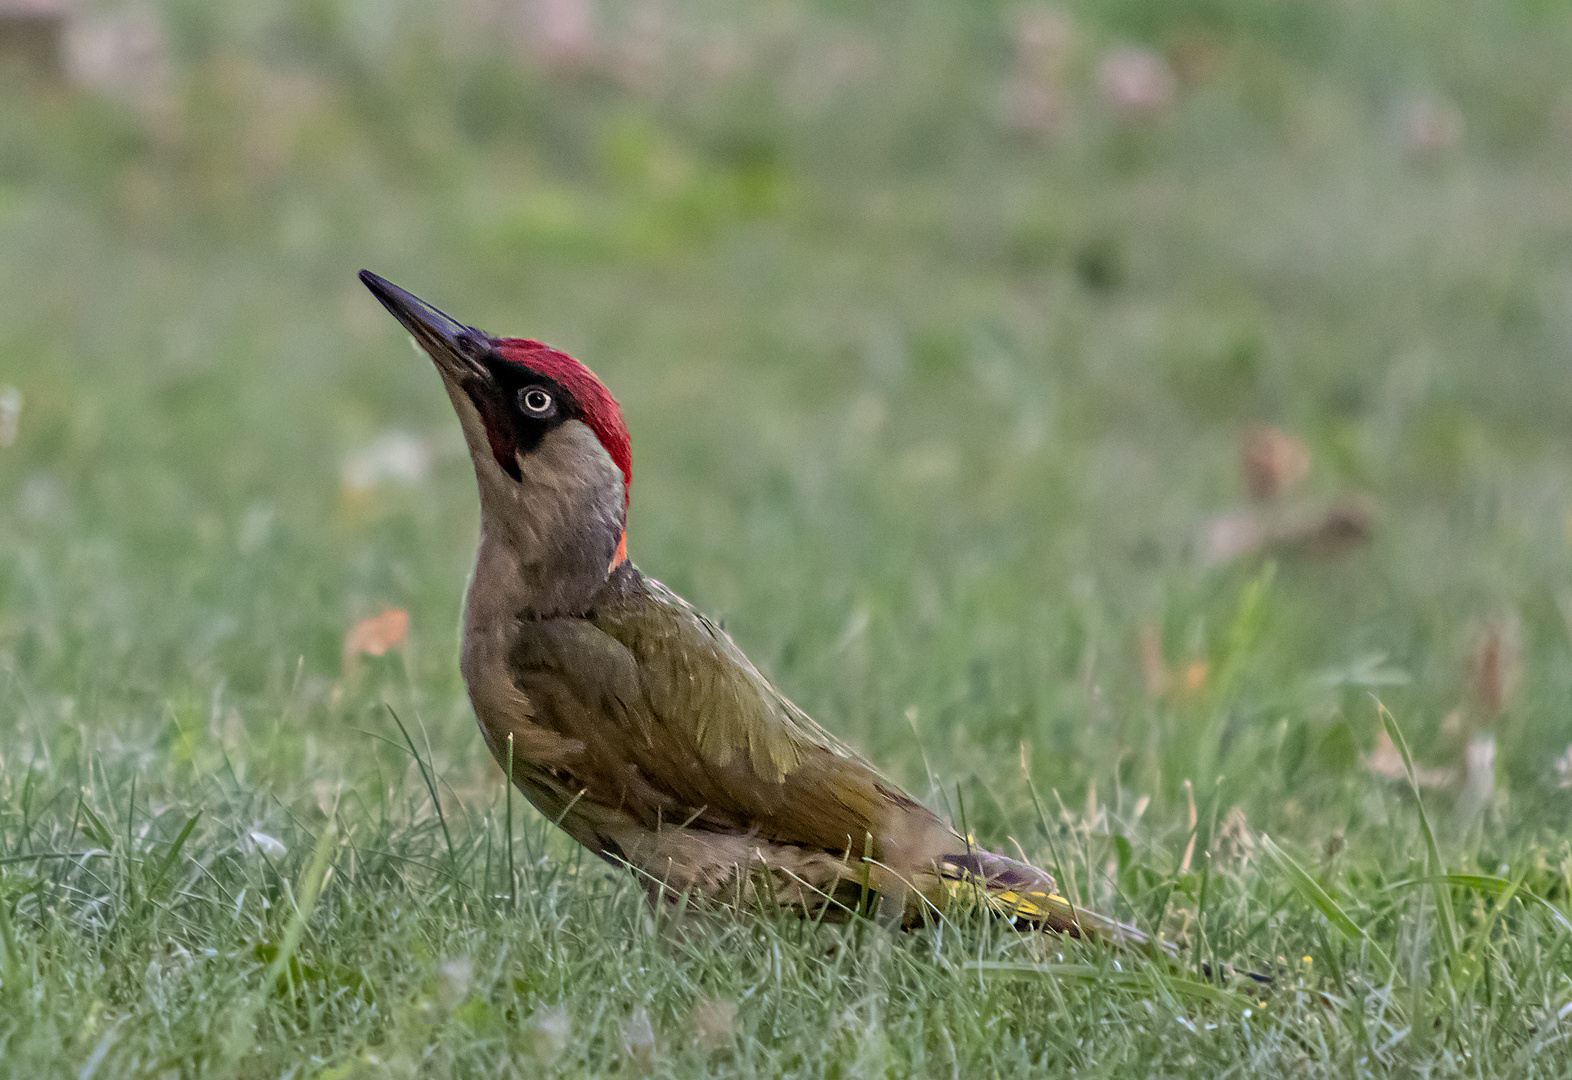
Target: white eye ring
point(536, 401)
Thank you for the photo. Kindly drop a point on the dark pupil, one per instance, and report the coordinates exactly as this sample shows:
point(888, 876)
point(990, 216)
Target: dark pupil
point(536, 400)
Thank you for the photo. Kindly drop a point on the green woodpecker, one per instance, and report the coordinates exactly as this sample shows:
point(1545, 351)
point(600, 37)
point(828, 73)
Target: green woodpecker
point(634, 722)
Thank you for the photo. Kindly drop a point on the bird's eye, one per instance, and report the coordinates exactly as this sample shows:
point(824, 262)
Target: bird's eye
point(535, 401)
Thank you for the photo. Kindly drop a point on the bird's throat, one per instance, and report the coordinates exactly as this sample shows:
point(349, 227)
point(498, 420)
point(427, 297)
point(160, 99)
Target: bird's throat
point(500, 435)
point(554, 529)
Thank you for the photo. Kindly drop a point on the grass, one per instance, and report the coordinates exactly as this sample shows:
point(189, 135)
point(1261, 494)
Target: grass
point(931, 410)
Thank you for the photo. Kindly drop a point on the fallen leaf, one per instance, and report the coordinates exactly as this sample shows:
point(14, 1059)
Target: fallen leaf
point(1273, 462)
point(376, 635)
point(1496, 666)
point(1287, 532)
point(1386, 760)
point(33, 31)
point(1347, 524)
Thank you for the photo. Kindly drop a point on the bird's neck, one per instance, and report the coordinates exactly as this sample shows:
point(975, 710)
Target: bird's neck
point(548, 539)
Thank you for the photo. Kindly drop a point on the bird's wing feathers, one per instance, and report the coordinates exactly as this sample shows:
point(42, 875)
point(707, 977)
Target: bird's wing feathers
point(677, 727)
point(696, 675)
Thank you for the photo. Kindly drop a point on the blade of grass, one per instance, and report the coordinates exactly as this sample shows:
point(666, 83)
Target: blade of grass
point(242, 1031)
point(1053, 848)
point(1201, 938)
point(13, 973)
point(431, 788)
point(1434, 867)
point(309, 892)
point(1318, 898)
point(168, 861)
point(1145, 978)
point(1491, 885)
point(513, 895)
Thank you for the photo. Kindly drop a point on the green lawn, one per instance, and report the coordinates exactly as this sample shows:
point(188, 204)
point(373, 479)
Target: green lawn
point(937, 362)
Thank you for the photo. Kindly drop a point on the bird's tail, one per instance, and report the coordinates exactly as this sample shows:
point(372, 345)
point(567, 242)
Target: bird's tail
point(1030, 898)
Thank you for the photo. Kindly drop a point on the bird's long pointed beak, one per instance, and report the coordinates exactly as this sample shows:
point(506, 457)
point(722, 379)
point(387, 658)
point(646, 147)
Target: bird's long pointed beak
point(438, 333)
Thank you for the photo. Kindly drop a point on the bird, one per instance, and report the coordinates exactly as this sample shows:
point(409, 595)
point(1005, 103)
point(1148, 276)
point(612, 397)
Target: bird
point(634, 722)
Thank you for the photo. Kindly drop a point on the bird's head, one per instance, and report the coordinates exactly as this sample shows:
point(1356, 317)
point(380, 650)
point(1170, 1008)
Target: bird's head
point(551, 451)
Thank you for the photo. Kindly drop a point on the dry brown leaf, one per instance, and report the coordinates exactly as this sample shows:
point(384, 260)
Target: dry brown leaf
point(1386, 760)
point(1496, 666)
point(1273, 462)
point(1288, 533)
point(1348, 524)
point(376, 635)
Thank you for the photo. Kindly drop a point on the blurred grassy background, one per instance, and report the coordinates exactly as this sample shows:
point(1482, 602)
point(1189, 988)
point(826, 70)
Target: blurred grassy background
point(936, 340)
point(937, 326)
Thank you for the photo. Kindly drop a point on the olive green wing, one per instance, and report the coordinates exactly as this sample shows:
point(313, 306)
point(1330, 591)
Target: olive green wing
point(678, 728)
point(697, 677)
